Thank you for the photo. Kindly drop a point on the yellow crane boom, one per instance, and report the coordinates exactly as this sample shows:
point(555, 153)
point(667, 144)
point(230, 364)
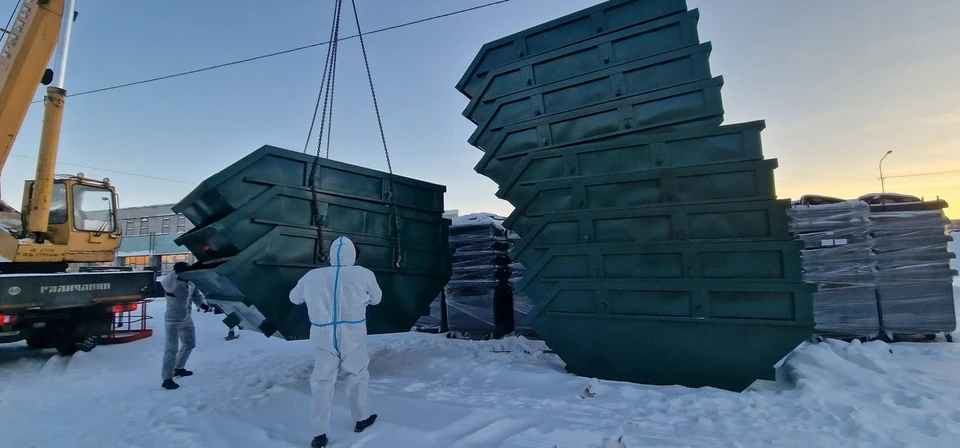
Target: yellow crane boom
point(68, 219)
point(30, 43)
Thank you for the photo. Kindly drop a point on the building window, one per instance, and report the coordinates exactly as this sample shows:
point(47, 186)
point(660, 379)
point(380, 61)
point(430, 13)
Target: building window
point(167, 262)
point(138, 263)
point(181, 224)
point(144, 226)
point(129, 230)
point(165, 226)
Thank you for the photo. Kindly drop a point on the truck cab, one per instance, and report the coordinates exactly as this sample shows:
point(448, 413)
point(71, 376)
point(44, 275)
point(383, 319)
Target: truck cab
point(83, 217)
point(83, 225)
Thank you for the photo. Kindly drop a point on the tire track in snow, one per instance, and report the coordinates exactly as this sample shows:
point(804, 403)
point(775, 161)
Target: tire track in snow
point(627, 439)
point(55, 366)
point(494, 431)
point(19, 361)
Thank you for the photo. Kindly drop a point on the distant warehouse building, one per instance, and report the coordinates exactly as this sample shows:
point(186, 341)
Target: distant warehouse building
point(148, 234)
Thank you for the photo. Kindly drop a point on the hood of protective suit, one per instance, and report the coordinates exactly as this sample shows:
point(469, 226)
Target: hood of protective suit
point(343, 252)
point(169, 282)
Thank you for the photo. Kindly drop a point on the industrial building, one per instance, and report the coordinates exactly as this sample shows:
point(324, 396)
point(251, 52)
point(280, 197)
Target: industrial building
point(148, 235)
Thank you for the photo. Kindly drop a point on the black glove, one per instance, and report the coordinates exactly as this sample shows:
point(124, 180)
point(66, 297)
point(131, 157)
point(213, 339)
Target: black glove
point(205, 308)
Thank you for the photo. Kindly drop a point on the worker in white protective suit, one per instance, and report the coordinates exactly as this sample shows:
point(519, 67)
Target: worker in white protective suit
point(181, 335)
point(337, 298)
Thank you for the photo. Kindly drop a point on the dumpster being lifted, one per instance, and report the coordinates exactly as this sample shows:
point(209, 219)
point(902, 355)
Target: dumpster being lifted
point(656, 249)
point(255, 237)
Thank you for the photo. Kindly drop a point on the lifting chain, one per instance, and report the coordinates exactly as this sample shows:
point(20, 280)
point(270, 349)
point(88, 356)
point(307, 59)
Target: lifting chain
point(326, 93)
point(392, 192)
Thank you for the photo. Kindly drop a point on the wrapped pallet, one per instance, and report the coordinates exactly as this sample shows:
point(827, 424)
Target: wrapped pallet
point(915, 284)
point(480, 244)
point(838, 257)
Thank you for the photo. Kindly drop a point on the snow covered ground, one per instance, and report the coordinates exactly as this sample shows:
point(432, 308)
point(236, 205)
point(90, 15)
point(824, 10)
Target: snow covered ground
point(433, 392)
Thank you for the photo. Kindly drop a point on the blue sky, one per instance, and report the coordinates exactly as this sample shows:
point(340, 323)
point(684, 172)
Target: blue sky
point(838, 82)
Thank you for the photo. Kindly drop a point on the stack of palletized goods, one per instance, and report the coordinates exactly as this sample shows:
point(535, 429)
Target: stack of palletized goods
point(480, 244)
point(838, 256)
point(915, 286)
point(656, 249)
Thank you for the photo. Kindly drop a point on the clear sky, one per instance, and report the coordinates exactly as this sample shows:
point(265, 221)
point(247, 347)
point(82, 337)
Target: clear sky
point(839, 83)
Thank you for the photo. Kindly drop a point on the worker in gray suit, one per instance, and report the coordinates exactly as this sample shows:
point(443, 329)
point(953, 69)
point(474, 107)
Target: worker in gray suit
point(181, 334)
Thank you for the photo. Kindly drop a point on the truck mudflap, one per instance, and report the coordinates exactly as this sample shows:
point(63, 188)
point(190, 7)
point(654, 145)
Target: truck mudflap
point(69, 290)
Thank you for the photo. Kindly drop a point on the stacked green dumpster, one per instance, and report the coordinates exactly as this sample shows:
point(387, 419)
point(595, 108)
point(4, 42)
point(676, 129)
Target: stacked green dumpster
point(656, 249)
point(256, 234)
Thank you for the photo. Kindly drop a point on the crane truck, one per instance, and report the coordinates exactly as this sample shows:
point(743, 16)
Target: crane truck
point(66, 220)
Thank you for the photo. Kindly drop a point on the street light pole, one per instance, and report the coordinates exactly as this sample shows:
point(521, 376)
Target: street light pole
point(883, 189)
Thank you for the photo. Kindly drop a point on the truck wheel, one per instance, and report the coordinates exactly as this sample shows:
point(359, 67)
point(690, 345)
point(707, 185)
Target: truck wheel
point(67, 347)
point(39, 342)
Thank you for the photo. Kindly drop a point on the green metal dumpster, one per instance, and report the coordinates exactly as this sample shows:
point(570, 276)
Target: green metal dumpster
point(760, 220)
point(679, 107)
point(637, 57)
point(255, 237)
point(674, 331)
point(583, 25)
point(682, 186)
point(633, 152)
point(292, 207)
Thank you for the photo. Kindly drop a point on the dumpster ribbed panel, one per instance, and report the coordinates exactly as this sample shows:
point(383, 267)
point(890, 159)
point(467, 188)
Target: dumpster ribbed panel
point(730, 143)
point(748, 220)
point(255, 237)
point(674, 108)
point(638, 58)
point(644, 76)
point(655, 247)
point(689, 186)
point(582, 25)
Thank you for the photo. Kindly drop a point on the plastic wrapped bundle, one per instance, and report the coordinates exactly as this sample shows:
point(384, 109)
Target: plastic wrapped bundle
point(838, 256)
point(470, 307)
point(829, 267)
point(476, 312)
point(480, 244)
point(851, 217)
point(843, 311)
point(912, 242)
point(953, 247)
point(915, 285)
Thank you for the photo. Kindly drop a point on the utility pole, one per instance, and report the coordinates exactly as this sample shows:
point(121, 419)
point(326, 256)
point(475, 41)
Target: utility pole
point(883, 188)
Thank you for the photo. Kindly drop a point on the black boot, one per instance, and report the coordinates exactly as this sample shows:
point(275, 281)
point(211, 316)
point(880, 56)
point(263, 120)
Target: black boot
point(364, 424)
point(169, 384)
point(319, 441)
point(181, 372)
